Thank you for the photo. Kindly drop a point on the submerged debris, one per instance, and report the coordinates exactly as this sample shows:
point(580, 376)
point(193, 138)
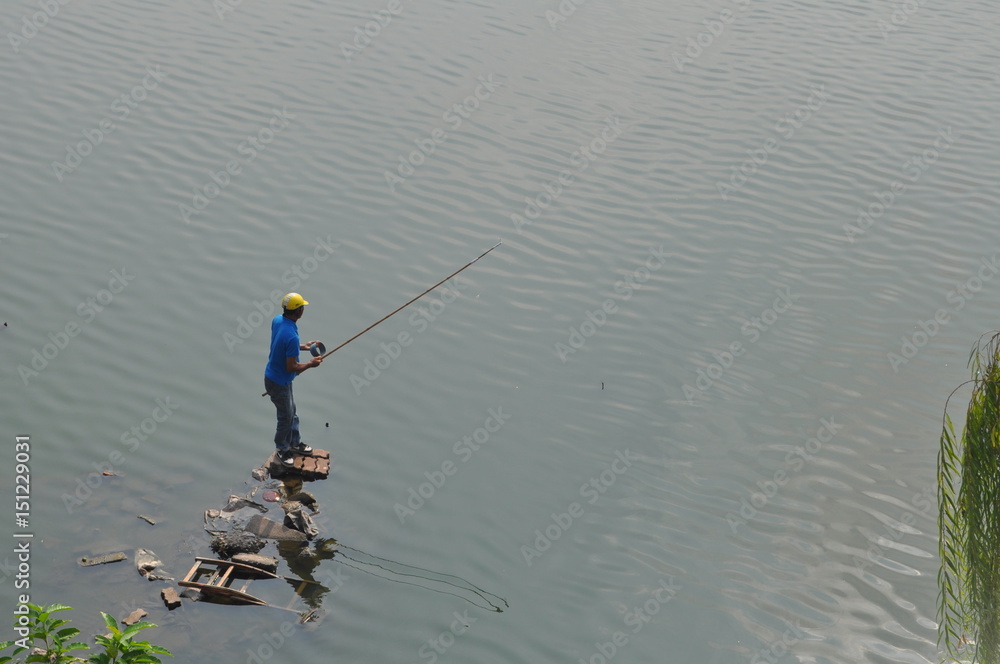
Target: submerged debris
point(265, 527)
point(170, 598)
point(228, 544)
point(297, 519)
point(266, 563)
point(148, 519)
point(103, 559)
point(134, 617)
point(146, 562)
point(307, 499)
point(238, 503)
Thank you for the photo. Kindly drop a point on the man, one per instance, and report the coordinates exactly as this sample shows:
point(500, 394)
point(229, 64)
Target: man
point(282, 367)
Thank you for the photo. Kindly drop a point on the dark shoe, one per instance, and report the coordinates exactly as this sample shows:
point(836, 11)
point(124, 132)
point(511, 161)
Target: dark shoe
point(287, 458)
point(302, 448)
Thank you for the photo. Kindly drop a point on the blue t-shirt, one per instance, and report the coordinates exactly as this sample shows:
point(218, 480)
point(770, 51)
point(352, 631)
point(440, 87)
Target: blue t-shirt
point(284, 344)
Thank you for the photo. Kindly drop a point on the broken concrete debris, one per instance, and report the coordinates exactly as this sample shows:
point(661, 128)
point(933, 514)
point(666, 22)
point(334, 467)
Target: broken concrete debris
point(103, 559)
point(134, 617)
point(261, 525)
point(233, 542)
point(266, 563)
point(170, 598)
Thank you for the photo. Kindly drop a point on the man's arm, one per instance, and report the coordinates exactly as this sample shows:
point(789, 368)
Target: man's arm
point(292, 365)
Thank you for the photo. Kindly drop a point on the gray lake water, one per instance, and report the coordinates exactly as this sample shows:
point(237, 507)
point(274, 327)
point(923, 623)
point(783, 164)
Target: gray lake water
point(688, 411)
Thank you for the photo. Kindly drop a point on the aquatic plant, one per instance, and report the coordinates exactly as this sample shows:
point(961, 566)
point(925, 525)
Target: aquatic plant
point(45, 640)
point(969, 516)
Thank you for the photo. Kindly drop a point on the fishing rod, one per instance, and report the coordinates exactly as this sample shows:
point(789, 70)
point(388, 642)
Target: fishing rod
point(408, 303)
point(469, 264)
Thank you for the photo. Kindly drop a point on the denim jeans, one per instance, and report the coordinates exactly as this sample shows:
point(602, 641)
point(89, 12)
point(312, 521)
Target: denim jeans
point(286, 436)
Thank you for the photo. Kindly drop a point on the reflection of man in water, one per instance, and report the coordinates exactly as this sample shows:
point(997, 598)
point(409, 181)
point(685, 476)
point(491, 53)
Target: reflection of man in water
point(302, 562)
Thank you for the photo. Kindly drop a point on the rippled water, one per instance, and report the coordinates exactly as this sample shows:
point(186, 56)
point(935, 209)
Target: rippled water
point(722, 223)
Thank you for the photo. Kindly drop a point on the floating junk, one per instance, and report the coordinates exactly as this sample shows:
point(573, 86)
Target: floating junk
point(103, 559)
point(226, 579)
point(219, 577)
point(146, 563)
point(236, 542)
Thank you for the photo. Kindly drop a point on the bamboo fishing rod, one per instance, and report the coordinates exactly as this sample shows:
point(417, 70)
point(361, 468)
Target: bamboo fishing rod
point(408, 303)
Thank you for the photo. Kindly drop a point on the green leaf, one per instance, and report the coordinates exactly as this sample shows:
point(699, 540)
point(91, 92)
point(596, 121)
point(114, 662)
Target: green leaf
point(52, 608)
point(137, 627)
point(110, 622)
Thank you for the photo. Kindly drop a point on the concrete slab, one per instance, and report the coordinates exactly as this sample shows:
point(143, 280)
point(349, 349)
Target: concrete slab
point(262, 526)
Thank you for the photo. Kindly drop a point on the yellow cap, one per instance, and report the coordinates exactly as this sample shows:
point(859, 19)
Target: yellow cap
point(292, 301)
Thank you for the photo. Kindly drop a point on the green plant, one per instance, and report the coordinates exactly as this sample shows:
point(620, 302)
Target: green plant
point(46, 641)
point(969, 519)
point(119, 648)
point(44, 628)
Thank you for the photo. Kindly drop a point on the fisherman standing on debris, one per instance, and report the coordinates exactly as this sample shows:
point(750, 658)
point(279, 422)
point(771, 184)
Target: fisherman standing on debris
point(282, 367)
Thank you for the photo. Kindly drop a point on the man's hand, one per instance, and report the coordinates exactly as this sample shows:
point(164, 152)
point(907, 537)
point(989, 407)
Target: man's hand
point(315, 362)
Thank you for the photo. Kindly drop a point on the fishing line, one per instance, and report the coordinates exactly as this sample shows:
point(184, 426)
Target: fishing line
point(471, 587)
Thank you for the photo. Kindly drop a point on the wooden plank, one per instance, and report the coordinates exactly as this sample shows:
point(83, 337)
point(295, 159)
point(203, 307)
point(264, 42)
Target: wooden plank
point(222, 582)
point(190, 575)
point(226, 593)
point(241, 571)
